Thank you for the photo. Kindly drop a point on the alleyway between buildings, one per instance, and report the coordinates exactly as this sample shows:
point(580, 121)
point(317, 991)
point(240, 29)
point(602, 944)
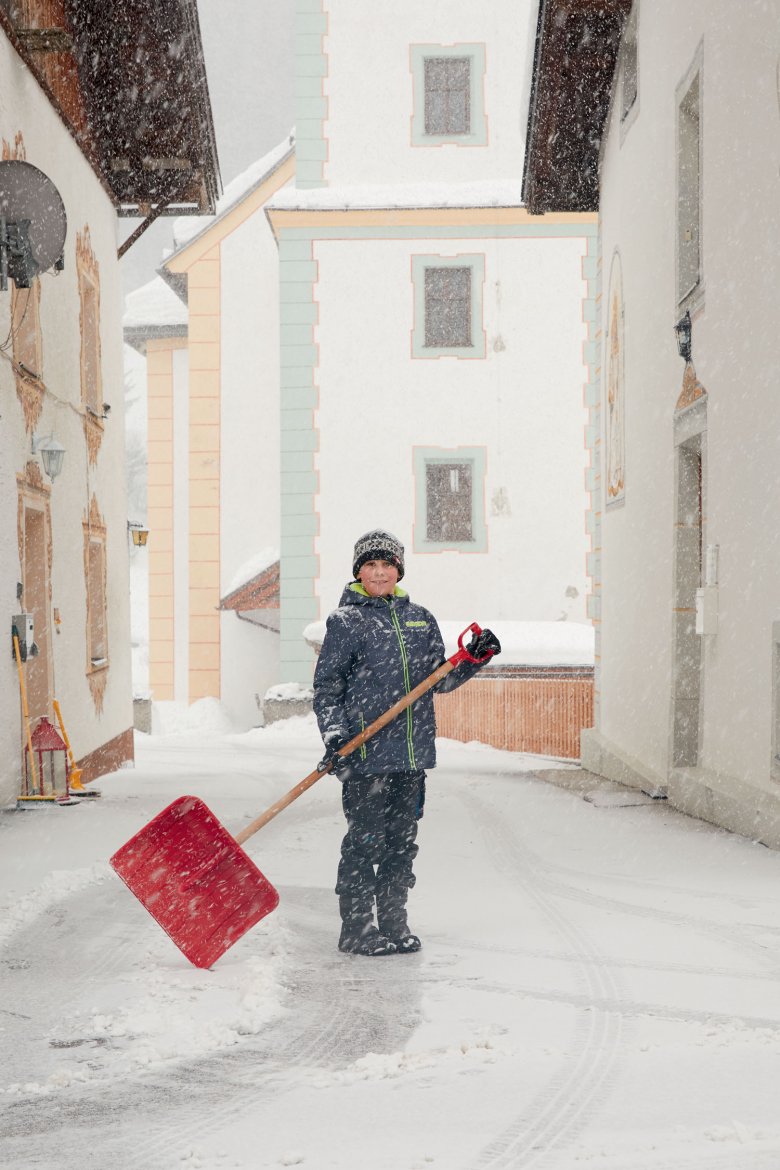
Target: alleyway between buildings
point(598, 986)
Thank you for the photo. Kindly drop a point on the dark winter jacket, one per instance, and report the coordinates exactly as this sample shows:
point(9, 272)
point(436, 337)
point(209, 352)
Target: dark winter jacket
point(376, 650)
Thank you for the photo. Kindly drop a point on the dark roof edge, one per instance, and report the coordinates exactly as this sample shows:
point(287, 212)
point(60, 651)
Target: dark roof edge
point(533, 98)
point(214, 187)
point(85, 147)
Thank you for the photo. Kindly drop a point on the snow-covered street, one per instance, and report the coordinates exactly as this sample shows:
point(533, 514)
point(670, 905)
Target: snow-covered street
point(598, 985)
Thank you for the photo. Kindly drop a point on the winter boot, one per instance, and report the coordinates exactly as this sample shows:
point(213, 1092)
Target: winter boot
point(358, 935)
point(391, 915)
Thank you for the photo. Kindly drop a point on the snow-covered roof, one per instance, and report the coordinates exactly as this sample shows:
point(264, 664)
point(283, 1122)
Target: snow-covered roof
point(522, 643)
point(154, 303)
point(489, 193)
point(257, 564)
point(187, 227)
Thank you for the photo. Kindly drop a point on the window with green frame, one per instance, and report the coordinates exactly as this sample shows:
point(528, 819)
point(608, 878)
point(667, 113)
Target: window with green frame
point(449, 499)
point(448, 306)
point(448, 95)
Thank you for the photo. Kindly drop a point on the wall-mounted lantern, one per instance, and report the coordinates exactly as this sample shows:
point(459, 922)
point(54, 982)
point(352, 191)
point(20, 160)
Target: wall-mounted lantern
point(684, 333)
point(52, 454)
point(138, 533)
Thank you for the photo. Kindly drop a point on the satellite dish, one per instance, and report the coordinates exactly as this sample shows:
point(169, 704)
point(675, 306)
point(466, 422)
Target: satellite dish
point(33, 223)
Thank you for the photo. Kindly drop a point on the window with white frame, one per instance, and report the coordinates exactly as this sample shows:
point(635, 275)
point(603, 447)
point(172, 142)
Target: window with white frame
point(448, 306)
point(689, 190)
point(449, 499)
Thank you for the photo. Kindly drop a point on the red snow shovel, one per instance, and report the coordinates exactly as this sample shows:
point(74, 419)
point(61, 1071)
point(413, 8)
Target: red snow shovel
point(197, 881)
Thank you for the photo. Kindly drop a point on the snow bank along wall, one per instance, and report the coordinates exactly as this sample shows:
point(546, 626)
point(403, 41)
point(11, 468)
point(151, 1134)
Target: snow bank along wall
point(690, 464)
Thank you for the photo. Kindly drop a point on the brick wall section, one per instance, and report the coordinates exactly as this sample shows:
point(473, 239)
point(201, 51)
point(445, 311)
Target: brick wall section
point(540, 713)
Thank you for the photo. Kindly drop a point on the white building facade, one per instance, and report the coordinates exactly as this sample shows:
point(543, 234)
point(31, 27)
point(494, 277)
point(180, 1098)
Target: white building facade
point(64, 532)
point(693, 533)
point(687, 444)
point(434, 334)
point(63, 542)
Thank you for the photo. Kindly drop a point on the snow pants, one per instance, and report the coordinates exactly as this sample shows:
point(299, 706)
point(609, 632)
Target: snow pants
point(379, 848)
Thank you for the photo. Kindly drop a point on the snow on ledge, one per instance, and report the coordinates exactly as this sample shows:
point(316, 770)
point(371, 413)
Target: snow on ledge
point(154, 303)
point(522, 643)
point(252, 568)
point(287, 692)
point(186, 227)
point(492, 193)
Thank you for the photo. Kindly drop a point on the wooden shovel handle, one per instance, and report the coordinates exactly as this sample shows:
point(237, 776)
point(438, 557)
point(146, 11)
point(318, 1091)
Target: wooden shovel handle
point(350, 747)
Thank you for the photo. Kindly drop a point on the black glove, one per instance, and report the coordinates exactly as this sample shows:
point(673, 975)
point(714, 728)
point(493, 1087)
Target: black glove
point(484, 644)
point(338, 765)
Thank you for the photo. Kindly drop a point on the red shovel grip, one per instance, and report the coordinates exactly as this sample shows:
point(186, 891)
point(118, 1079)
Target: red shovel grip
point(462, 654)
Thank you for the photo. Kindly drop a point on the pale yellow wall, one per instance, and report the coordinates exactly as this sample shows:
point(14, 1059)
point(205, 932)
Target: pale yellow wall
point(204, 496)
point(201, 261)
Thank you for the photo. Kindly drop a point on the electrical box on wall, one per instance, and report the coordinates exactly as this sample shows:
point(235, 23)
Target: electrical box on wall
point(23, 629)
point(707, 611)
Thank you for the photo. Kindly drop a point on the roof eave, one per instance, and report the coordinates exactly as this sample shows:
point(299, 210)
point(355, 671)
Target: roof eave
point(575, 57)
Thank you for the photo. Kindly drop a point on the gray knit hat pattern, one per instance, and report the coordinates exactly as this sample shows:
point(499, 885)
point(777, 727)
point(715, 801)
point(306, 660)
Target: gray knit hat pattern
point(378, 545)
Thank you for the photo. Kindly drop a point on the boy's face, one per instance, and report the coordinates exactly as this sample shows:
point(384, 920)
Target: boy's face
point(378, 578)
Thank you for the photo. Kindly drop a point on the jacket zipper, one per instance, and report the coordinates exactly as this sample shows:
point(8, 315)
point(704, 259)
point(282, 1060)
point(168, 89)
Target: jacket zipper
point(407, 684)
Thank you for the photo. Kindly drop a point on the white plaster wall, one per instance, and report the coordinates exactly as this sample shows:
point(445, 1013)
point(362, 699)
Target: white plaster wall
point(734, 351)
point(250, 448)
point(369, 139)
point(250, 665)
point(49, 147)
point(10, 755)
point(522, 403)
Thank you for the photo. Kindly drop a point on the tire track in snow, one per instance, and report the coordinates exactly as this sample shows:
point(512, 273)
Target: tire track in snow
point(558, 1111)
point(342, 1011)
point(618, 964)
point(526, 1142)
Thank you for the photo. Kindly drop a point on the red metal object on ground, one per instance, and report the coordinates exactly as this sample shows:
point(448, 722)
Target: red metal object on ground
point(194, 879)
point(50, 755)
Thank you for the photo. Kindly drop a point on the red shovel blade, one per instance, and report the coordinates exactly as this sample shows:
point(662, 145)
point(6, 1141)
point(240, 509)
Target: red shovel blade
point(198, 883)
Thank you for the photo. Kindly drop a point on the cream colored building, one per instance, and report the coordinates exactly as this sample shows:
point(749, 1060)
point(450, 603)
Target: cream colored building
point(211, 340)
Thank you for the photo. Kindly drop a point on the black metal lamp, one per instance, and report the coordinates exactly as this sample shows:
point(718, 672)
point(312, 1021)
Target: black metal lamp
point(684, 337)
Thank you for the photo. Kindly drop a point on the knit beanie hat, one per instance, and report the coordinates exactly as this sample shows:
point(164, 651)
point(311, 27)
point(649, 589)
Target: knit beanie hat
point(378, 546)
